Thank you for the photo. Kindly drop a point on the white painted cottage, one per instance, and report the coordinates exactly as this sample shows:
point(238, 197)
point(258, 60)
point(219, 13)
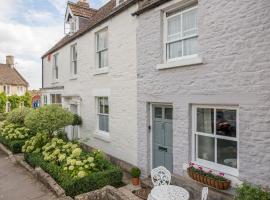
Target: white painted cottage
point(92, 71)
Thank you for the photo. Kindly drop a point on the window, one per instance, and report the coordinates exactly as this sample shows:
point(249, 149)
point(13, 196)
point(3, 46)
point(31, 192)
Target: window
point(7, 89)
point(215, 131)
point(102, 48)
point(19, 90)
point(181, 33)
point(8, 106)
point(56, 99)
point(103, 113)
point(45, 100)
point(55, 67)
point(21, 105)
point(73, 55)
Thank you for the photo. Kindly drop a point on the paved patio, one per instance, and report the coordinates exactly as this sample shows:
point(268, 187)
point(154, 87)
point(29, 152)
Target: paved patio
point(17, 184)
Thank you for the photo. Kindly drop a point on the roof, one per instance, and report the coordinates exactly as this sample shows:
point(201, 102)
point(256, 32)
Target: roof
point(10, 76)
point(105, 12)
point(146, 5)
point(81, 10)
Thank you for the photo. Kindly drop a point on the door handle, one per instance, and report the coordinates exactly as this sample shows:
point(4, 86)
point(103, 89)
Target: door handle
point(162, 148)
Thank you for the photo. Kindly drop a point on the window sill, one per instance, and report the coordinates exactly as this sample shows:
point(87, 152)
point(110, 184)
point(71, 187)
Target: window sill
point(103, 70)
point(102, 135)
point(181, 62)
point(55, 81)
point(73, 77)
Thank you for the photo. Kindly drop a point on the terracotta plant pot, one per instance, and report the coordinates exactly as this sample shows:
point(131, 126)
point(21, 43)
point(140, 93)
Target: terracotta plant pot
point(212, 182)
point(135, 181)
point(201, 178)
point(208, 181)
point(205, 178)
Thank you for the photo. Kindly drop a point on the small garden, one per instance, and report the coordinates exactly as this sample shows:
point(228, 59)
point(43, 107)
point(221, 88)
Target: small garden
point(39, 134)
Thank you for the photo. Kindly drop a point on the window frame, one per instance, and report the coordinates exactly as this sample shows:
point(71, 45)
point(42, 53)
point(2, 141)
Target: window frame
point(106, 49)
point(9, 89)
point(53, 99)
point(8, 107)
point(165, 35)
point(55, 67)
point(98, 113)
point(208, 164)
point(45, 99)
point(72, 61)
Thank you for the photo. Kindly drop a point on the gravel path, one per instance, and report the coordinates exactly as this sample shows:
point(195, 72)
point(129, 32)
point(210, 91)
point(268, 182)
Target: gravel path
point(17, 184)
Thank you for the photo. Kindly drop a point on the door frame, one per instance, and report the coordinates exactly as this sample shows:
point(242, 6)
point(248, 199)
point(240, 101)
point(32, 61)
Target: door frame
point(152, 105)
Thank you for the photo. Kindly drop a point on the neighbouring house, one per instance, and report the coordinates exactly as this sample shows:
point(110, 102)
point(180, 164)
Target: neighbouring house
point(168, 82)
point(11, 81)
point(203, 71)
point(92, 72)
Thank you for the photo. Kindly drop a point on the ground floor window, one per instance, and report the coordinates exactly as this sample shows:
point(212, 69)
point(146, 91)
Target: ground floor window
point(45, 99)
point(8, 106)
point(103, 113)
point(56, 99)
point(215, 137)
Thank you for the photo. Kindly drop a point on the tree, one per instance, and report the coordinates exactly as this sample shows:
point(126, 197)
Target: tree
point(49, 119)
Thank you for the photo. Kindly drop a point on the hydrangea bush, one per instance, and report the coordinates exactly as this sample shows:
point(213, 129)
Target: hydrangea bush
point(13, 132)
point(35, 143)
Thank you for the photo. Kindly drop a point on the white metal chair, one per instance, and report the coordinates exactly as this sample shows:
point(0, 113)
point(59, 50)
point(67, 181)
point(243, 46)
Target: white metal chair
point(161, 176)
point(204, 193)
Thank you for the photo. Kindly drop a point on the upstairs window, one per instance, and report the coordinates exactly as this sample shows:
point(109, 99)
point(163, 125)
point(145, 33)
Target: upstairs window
point(181, 33)
point(103, 113)
point(102, 48)
point(7, 89)
point(55, 67)
point(20, 90)
point(73, 55)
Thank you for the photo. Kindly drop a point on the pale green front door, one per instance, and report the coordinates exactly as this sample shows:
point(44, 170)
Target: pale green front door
point(163, 137)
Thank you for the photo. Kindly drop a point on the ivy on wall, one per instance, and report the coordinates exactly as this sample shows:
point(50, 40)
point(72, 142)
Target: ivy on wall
point(14, 100)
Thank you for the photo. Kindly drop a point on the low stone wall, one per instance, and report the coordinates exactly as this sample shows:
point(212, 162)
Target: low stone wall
point(106, 193)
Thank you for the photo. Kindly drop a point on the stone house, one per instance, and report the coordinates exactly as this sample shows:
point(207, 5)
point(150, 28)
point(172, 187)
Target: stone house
point(203, 87)
point(11, 81)
point(168, 82)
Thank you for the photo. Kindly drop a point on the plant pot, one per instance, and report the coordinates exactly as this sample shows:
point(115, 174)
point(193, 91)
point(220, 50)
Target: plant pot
point(205, 178)
point(212, 183)
point(208, 181)
point(224, 185)
point(216, 184)
point(135, 181)
point(201, 178)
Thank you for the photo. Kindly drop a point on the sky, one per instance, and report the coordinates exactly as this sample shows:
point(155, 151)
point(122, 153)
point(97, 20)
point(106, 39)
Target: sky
point(28, 28)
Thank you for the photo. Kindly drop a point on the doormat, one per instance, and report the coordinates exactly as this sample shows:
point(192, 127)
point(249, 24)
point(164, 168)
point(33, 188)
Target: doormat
point(142, 193)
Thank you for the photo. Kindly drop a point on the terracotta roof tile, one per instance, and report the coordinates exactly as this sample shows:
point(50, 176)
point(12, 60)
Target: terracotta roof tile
point(104, 13)
point(11, 76)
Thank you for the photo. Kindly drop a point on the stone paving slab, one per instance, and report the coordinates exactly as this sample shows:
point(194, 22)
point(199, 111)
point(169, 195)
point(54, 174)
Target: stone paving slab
point(18, 184)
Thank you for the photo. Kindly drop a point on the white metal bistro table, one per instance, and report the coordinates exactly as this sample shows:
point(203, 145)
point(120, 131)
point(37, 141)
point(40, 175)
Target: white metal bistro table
point(168, 192)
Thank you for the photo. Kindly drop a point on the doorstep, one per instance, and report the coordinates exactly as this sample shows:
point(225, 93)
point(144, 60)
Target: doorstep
point(194, 188)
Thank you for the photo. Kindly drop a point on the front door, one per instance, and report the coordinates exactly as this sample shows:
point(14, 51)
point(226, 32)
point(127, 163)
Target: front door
point(163, 137)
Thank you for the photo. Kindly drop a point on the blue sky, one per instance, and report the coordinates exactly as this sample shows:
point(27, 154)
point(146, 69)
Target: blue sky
point(28, 28)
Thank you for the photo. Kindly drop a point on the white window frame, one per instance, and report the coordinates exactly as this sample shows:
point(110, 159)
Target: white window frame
point(55, 66)
point(72, 61)
point(45, 99)
point(8, 106)
point(19, 90)
point(208, 164)
point(165, 38)
point(7, 89)
point(21, 105)
point(97, 52)
point(103, 114)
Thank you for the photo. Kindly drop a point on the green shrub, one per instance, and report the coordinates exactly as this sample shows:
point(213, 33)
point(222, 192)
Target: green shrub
point(3, 100)
point(135, 172)
point(109, 176)
point(77, 120)
point(15, 146)
point(250, 192)
point(3, 116)
point(49, 119)
point(18, 115)
point(35, 143)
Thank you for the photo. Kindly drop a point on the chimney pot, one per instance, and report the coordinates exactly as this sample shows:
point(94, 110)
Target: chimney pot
point(10, 60)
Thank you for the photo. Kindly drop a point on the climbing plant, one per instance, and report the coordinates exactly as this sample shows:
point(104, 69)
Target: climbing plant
point(3, 100)
point(14, 100)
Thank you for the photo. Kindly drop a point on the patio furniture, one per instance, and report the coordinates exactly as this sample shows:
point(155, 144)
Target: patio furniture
point(160, 176)
point(204, 193)
point(168, 192)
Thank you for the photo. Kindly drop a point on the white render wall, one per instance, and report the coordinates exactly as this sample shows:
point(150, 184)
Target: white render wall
point(234, 39)
point(119, 84)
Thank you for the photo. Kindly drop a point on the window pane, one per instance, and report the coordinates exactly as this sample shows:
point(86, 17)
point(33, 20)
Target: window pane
point(190, 23)
point(158, 112)
point(190, 46)
point(206, 148)
point(205, 120)
point(168, 113)
point(103, 59)
point(226, 122)
point(174, 28)
point(227, 152)
point(75, 67)
point(174, 50)
point(104, 123)
point(100, 103)
point(102, 40)
point(106, 106)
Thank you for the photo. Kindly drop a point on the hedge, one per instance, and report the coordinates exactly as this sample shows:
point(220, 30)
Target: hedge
point(15, 145)
point(111, 176)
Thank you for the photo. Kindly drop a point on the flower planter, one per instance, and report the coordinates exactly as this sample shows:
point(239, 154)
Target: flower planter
point(219, 184)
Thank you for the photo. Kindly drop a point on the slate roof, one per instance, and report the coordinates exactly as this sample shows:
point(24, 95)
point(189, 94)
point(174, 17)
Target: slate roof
point(105, 12)
point(11, 76)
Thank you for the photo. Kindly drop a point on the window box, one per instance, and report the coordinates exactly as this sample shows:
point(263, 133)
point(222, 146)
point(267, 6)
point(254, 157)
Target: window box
point(184, 61)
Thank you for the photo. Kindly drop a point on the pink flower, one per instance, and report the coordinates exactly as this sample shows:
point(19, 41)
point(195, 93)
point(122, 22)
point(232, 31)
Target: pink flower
point(210, 171)
point(191, 164)
point(221, 174)
point(200, 168)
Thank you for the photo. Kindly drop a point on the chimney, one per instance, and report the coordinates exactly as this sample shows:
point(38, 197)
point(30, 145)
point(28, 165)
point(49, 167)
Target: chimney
point(10, 60)
point(83, 3)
